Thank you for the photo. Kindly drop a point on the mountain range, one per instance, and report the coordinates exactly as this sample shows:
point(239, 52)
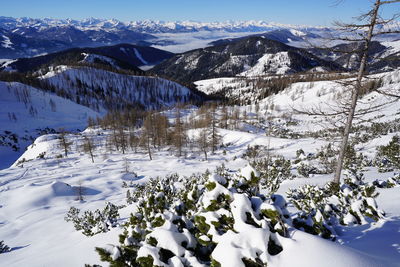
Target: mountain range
point(121, 56)
point(25, 37)
point(250, 56)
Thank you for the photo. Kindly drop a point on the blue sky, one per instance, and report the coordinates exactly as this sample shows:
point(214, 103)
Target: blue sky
point(310, 12)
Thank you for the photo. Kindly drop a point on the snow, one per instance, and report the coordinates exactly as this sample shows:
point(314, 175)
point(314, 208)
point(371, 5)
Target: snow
point(135, 89)
point(278, 63)
point(38, 110)
point(248, 172)
point(91, 58)
point(6, 43)
point(255, 240)
point(139, 56)
point(297, 33)
point(36, 195)
point(314, 249)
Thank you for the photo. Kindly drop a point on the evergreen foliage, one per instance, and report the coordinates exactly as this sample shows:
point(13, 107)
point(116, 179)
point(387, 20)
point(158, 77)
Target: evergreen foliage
point(388, 157)
point(187, 221)
point(91, 223)
point(322, 209)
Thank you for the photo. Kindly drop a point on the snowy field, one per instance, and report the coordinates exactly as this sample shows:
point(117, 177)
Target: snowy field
point(38, 190)
point(36, 195)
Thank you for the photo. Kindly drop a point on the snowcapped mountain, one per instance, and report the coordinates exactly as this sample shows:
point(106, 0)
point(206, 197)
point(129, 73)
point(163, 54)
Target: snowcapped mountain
point(28, 37)
point(13, 45)
point(246, 56)
point(67, 33)
point(149, 26)
point(286, 36)
point(382, 56)
point(122, 56)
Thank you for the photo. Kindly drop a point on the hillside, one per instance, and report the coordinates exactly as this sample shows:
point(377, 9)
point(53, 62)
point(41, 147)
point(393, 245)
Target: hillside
point(27, 112)
point(66, 97)
point(255, 56)
point(122, 56)
point(50, 184)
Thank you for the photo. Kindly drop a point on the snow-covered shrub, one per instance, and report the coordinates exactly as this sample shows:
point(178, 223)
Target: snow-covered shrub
point(354, 160)
point(92, 223)
point(194, 221)
point(252, 152)
point(306, 169)
point(322, 162)
point(389, 183)
point(272, 172)
point(326, 157)
point(3, 247)
point(388, 157)
point(322, 209)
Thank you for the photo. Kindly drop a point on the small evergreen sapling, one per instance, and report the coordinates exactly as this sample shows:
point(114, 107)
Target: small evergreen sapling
point(92, 223)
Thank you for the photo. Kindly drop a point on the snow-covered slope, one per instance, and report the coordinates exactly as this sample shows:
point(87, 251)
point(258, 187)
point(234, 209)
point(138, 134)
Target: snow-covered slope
point(231, 59)
point(34, 226)
point(82, 93)
point(104, 89)
point(26, 112)
point(121, 56)
point(278, 63)
point(38, 190)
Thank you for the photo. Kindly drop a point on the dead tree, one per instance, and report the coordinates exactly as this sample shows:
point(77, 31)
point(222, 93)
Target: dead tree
point(79, 191)
point(361, 35)
point(63, 142)
point(214, 132)
point(372, 19)
point(88, 146)
point(147, 133)
point(179, 134)
point(203, 141)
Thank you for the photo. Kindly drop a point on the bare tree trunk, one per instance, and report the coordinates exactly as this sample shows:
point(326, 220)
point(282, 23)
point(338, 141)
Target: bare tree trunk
point(148, 147)
point(355, 93)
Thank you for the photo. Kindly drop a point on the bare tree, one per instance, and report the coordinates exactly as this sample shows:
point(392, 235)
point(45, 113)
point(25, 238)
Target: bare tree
point(79, 191)
point(64, 143)
point(366, 28)
point(203, 141)
point(147, 133)
point(179, 134)
point(214, 132)
point(88, 146)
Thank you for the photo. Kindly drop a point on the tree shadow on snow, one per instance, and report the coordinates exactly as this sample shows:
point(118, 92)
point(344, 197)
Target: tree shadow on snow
point(381, 239)
point(64, 189)
point(19, 247)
